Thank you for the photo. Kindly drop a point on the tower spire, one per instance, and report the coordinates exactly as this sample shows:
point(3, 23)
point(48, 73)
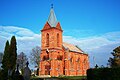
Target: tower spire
point(52, 20)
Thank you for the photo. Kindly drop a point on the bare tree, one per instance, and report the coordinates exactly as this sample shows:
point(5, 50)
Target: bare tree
point(35, 55)
point(21, 60)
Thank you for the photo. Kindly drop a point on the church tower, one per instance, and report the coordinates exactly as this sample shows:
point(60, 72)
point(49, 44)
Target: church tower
point(57, 57)
point(52, 33)
point(51, 47)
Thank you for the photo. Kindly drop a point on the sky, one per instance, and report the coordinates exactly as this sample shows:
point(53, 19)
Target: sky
point(93, 25)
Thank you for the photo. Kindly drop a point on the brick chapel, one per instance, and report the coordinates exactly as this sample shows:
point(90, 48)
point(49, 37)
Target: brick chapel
point(57, 57)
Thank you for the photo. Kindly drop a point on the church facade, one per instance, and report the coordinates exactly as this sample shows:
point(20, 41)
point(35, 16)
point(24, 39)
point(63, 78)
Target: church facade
point(59, 58)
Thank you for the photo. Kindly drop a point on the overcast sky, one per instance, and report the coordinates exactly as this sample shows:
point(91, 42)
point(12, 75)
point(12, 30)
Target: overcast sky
point(93, 25)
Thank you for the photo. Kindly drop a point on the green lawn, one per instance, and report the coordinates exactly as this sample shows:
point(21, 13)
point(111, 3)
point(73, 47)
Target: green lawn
point(35, 78)
point(64, 78)
point(73, 77)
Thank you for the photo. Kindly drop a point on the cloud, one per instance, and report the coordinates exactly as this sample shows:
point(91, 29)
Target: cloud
point(98, 46)
point(102, 54)
point(113, 36)
point(89, 43)
point(26, 39)
point(12, 30)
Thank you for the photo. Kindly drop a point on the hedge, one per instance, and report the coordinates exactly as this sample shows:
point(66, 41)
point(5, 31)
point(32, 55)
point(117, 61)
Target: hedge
point(103, 74)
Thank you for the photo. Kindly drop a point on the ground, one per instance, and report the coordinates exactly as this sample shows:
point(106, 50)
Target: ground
point(62, 78)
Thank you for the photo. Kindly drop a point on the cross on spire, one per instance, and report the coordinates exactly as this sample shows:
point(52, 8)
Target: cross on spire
point(51, 5)
point(27, 63)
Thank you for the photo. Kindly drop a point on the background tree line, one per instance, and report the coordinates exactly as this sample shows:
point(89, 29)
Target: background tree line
point(115, 60)
point(107, 73)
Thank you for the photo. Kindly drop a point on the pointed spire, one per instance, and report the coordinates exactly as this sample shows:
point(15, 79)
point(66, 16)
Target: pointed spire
point(52, 20)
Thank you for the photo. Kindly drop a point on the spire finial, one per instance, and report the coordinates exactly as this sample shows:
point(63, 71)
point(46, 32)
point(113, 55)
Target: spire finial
point(52, 6)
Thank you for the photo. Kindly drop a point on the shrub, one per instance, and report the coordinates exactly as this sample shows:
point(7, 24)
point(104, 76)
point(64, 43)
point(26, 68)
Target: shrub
point(103, 74)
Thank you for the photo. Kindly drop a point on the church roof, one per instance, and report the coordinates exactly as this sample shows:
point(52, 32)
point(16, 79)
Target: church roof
point(52, 20)
point(72, 47)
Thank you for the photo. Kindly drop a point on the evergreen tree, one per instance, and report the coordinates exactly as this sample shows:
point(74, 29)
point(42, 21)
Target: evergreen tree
point(5, 60)
point(9, 58)
point(13, 53)
point(1, 57)
point(115, 61)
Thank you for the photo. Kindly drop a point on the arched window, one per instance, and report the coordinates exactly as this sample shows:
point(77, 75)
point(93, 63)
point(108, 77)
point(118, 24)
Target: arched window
point(43, 58)
point(47, 40)
point(71, 59)
point(79, 60)
point(59, 57)
point(58, 40)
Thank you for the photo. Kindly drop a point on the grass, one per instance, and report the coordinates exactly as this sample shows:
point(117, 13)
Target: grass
point(73, 77)
point(63, 78)
point(35, 78)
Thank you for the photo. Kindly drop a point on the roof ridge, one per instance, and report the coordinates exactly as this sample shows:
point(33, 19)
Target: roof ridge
point(68, 43)
point(72, 47)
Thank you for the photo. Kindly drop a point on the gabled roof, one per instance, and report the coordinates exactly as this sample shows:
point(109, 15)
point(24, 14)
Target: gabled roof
point(52, 20)
point(72, 47)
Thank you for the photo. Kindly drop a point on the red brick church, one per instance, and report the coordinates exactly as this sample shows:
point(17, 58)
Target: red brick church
point(58, 57)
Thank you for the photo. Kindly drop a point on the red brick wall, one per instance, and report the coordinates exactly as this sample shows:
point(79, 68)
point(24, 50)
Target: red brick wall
point(55, 60)
point(76, 63)
point(52, 31)
point(55, 50)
